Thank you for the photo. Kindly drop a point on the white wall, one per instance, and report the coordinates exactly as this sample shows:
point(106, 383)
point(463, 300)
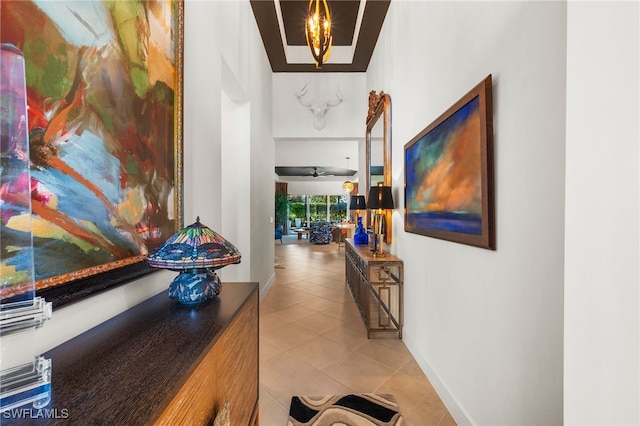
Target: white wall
point(318, 153)
point(486, 325)
point(602, 333)
point(247, 80)
point(262, 159)
point(236, 197)
point(315, 188)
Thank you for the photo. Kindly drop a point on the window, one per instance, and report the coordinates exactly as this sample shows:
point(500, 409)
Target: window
point(304, 209)
point(318, 207)
point(298, 210)
point(337, 208)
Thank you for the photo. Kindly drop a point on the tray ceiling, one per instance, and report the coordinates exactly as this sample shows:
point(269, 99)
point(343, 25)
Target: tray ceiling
point(356, 26)
point(308, 171)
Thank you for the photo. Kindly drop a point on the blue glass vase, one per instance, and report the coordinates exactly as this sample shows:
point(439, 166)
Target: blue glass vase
point(360, 237)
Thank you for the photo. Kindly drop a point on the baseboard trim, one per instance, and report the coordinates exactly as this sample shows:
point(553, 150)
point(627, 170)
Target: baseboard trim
point(267, 286)
point(458, 413)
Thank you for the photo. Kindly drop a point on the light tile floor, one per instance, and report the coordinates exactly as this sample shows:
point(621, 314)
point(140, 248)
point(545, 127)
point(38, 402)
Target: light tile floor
point(313, 342)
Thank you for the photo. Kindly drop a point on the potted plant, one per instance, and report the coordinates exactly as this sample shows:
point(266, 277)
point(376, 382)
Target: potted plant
point(281, 207)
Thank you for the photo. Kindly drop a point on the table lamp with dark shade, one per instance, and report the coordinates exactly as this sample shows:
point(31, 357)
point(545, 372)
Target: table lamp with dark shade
point(196, 251)
point(380, 199)
point(358, 203)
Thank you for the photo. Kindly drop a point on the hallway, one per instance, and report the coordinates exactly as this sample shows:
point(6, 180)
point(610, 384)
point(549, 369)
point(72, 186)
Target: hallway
point(313, 342)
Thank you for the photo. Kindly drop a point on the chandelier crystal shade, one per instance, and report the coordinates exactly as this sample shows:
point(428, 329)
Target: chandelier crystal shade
point(347, 186)
point(318, 31)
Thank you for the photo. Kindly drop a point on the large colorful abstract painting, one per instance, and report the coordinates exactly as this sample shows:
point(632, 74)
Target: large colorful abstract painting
point(104, 94)
point(449, 173)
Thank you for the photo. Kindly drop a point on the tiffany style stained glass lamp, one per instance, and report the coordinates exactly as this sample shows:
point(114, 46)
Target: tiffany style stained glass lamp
point(196, 251)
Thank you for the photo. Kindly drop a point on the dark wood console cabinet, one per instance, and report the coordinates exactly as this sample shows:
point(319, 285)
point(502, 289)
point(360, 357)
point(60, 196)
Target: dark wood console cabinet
point(376, 284)
point(162, 363)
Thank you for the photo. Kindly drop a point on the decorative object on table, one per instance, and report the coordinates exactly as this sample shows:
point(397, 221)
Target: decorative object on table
point(318, 31)
point(347, 185)
point(380, 199)
point(105, 127)
point(16, 250)
point(358, 203)
point(355, 409)
point(20, 309)
point(361, 236)
point(449, 188)
point(196, 251)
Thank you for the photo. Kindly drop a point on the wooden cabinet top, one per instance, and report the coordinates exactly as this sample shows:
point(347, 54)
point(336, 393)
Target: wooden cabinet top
point(127, 369)
point(365, 253)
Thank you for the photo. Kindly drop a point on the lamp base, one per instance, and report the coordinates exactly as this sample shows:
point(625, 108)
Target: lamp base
point(377, 246)
point(193, 286)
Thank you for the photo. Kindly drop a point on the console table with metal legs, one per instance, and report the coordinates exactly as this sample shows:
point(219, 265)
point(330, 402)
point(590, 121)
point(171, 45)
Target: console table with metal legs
point(376, 284)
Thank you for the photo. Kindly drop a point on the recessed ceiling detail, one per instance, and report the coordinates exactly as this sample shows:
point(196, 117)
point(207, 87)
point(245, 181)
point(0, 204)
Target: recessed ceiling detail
point(293, 11)
point(356, 25)
point(311, 171)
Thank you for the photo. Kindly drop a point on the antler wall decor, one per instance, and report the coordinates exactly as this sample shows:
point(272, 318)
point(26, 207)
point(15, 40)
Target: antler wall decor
point(318, 109)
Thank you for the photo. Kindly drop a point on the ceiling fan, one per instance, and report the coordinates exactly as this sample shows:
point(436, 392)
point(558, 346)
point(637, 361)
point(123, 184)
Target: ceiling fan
point(316, 173)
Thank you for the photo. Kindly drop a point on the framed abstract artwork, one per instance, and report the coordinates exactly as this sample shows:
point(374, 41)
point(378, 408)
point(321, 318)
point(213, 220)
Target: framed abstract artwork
point(449, 188)
point(104, 94)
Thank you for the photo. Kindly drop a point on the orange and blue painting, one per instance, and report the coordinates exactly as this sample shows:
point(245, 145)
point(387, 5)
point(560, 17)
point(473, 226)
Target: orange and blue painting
point(449, 173)
point(103, 97)
point(449, 190)
point(443, 175)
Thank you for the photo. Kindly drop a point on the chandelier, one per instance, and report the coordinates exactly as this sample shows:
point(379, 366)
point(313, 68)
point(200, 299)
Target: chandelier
point(318, 31)
point(347, 186)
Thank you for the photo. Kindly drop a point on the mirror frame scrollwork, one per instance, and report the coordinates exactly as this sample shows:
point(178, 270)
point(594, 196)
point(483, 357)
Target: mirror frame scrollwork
point(379, 107)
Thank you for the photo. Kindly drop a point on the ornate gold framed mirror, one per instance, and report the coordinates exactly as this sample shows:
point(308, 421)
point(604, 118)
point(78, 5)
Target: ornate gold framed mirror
point(378, 150)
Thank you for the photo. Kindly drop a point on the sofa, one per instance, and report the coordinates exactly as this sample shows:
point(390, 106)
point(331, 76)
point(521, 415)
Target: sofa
point(320, 232)
point(278, 233)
